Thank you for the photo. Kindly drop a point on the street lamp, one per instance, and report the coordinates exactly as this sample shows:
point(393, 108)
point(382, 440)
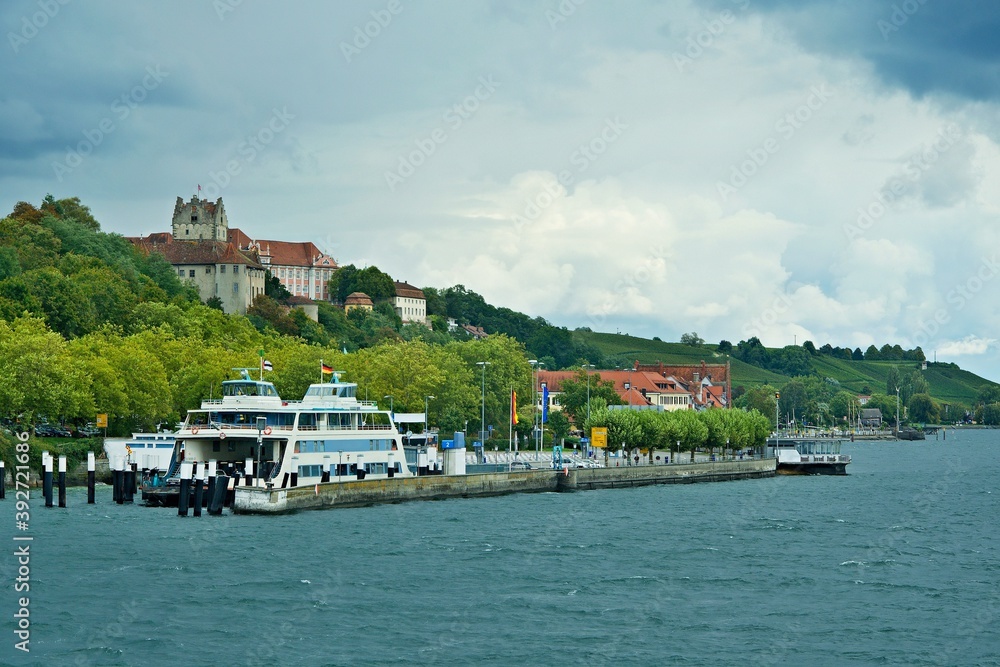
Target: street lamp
point(391, 411)
point(425, 411)
point(482, 429)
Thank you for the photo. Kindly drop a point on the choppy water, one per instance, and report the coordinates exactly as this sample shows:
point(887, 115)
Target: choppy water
point(895, 564)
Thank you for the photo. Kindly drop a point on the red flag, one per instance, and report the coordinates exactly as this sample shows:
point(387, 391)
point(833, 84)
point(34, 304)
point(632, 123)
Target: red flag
point(513, 407)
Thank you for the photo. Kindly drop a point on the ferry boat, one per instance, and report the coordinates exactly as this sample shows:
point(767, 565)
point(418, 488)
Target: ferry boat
point(256, 438)
point(807, 456)
point(148, 450)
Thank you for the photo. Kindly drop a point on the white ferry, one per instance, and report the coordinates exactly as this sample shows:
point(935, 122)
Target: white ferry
point(252, 434)
point(807, 456)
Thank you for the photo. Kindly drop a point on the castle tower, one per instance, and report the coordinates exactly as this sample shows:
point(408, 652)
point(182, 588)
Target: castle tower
point(200, 220)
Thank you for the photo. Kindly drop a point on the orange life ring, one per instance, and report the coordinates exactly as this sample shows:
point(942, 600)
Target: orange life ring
point(267, 430)
point(222, 435)
point(194, 430)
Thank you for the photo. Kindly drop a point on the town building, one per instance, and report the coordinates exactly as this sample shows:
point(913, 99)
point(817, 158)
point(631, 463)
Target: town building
point(659, 386)
point(301, 267)
point(409, 303)
point(357, 301)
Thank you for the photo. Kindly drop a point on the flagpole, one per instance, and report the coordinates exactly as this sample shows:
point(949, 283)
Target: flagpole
point(321, 371)
point(510, 421)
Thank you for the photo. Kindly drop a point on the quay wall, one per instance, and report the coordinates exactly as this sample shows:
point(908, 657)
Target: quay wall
point(686, 473)
point(255, 500)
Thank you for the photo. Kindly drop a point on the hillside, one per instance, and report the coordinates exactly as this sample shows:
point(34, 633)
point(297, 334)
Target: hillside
point(948, 383)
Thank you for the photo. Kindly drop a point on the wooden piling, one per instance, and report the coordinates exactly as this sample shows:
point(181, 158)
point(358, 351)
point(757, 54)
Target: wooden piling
point(62, 481)
point(91, 477)
point(183, 499)
point(199, 489)
point(47, 478)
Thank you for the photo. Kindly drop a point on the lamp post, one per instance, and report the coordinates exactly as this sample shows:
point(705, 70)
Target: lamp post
point(630, 388)
point(391, 411)
point(535, 368)
point(261, 425)
point(482, 426)
point(897, 412)
point(425, 411)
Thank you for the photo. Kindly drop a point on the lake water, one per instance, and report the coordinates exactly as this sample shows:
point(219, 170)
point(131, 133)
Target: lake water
point(897, 563)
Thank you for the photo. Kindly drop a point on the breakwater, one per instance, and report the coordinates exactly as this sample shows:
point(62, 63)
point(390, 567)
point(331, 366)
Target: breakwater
point(356, 493)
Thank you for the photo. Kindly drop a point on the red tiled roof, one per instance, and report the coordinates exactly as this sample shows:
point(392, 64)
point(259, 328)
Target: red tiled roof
point(407, 290)
point(284, 253)
point(204, 252)
point(358, 299)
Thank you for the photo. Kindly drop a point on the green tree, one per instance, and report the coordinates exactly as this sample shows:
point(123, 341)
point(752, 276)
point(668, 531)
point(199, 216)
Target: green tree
point(692, 338)
point(923, 408)
point(559, 424)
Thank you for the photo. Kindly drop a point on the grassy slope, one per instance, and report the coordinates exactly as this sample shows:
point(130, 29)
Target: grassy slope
point(947, 384)
point(630, 348)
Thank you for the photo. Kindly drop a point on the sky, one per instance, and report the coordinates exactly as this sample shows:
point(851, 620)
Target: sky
point(794, 170)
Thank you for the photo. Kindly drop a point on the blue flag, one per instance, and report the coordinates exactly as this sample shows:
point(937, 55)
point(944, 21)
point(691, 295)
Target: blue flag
point(545, 403)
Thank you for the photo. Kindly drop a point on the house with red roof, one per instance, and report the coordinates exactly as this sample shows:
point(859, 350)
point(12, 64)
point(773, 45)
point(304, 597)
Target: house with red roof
point(301, 267)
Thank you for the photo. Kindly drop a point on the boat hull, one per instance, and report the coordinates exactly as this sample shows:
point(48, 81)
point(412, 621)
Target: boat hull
point(812, 468)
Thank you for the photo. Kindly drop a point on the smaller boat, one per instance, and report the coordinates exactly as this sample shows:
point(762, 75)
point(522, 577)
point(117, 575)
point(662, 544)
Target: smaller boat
point(147, 450)
point(807, 456)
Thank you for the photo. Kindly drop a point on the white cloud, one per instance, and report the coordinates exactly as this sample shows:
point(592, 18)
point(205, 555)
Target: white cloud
point(970, 345)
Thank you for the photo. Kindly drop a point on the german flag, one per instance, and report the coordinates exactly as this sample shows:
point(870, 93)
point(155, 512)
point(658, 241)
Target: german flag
point(326, 369)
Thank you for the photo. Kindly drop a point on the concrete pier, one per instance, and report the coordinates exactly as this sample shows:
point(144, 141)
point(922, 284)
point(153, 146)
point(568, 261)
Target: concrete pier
point(358, 493)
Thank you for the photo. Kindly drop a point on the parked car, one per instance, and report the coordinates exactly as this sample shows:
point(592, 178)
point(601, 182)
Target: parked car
point(87, 432)
point(520, 465)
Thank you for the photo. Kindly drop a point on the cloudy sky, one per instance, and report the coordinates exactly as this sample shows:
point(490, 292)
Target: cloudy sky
point(791, 169)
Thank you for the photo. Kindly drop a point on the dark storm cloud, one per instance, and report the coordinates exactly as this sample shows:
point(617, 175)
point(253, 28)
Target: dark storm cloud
point(924, 46)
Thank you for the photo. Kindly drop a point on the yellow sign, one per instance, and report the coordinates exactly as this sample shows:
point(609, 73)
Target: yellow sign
point(102, 421)
point(599, 437)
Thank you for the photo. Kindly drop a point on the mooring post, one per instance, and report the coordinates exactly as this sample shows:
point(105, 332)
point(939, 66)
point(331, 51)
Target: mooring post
point(91, 477)
point(3, 481)
point(217, 500)
point(182, 500)
point(62, 481)
point(117, 486)
point(249, 468)
point(295, 471)
point(198, 489)
point(212, 469)
point(128, 483)
point(47, 478)
point(326, 469)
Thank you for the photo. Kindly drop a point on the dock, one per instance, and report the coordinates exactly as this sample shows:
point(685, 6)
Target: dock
point(360, 493)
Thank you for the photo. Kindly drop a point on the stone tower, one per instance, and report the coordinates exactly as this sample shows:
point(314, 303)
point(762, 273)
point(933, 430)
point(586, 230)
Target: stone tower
point(200, 220)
